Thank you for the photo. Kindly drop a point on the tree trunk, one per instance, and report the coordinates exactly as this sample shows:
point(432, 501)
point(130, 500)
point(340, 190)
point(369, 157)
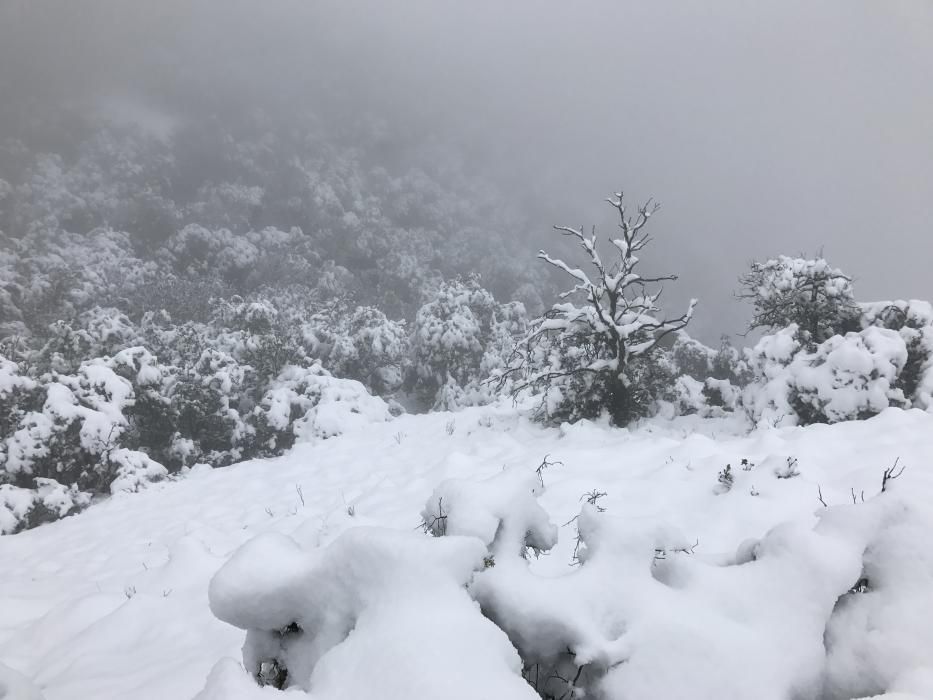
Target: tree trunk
point(619, 401)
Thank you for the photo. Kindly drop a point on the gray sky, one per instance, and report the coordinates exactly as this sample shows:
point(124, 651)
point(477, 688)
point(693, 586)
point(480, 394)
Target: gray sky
point(767, 127)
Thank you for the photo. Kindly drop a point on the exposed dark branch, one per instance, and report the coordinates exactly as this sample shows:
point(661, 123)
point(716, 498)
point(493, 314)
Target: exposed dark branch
point(890, 474)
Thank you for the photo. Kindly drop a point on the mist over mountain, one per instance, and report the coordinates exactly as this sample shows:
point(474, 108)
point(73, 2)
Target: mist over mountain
point(783, 127)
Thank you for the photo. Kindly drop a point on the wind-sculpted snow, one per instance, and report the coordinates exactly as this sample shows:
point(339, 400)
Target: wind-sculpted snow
point(15, 686)
point(391, 605)
point(429, 557)
point(502, 511)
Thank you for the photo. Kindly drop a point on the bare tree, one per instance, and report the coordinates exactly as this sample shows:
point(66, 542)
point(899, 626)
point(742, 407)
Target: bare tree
point(580, 356)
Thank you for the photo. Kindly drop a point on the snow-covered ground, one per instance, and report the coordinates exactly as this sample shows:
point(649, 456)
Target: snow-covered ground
point(113, 603)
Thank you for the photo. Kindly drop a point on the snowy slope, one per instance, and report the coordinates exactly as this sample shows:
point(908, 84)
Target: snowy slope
point(113, 603)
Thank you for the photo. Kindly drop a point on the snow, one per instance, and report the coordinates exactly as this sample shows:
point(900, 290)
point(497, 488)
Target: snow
point(373, 599)
point(501, 511)
point(665, 587)
point(15, 686)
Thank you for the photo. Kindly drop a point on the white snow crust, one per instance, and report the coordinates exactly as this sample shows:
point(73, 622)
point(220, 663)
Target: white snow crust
point(428, 557)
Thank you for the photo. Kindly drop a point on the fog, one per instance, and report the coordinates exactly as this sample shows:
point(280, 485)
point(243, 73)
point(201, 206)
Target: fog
point(783, 126)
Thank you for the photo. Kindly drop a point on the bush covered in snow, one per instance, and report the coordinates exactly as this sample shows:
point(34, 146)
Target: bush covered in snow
point(846, 377)
point(703, 380)
point(238, 387)
point(305, 403)
point(361, 344)
point(459, 338)
point(913, 322)
point(809, 293)
point(829, 358)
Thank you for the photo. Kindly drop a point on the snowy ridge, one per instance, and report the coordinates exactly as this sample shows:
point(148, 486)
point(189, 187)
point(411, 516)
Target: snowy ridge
point(694, 581)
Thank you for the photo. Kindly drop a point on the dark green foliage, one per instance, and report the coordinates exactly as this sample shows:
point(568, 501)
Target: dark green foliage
point(809, 293)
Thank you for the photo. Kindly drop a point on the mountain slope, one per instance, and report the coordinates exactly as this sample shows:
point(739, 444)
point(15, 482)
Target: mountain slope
point(113, 603)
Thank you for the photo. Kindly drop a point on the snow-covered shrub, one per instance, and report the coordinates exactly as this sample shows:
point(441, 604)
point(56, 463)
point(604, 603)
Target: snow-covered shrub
point(767, 399)
point(238, 387)
point(807, 292)
point(97, 332)
point(179, 298)
point(306, 403)
point(18, 395)
point(246, 261)
point(208, 400)
point(32, 440)
point(226, 205)
point(846, 377)
point(255, 334)
point(640, 604)
point(152, 415)
point(132, 470)
point(689, 357)
point(596, 355)
point(711, 397)
point(459, 338)
point(361, 344)
point(80, 419)
point(913, 321)
point(23, 508)
point(688, 397)
point(720, 393)
point(48, 276)
point(188, 413)
point(370, 600)
point(74, 435)
point(115, 176)
point(877, 639)
point(502, 511)
point(701, 380)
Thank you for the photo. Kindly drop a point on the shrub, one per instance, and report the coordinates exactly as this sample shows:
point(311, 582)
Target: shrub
point(806, 292)
point(459, 338)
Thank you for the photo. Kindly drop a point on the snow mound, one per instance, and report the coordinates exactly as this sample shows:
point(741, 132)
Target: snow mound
point(502, 511)
point(392, 603)
point(15, 686)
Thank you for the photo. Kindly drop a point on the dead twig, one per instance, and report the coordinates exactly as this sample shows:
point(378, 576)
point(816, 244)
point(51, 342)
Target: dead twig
point(891, 473)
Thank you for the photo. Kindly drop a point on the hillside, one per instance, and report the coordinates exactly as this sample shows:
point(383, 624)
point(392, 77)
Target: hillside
point(113, 603)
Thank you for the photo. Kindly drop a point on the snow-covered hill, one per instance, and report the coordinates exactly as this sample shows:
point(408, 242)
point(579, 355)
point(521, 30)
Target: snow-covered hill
point(113, 603)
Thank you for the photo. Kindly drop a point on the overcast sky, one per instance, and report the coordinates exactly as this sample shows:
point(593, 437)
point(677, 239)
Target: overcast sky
point(767, 127)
